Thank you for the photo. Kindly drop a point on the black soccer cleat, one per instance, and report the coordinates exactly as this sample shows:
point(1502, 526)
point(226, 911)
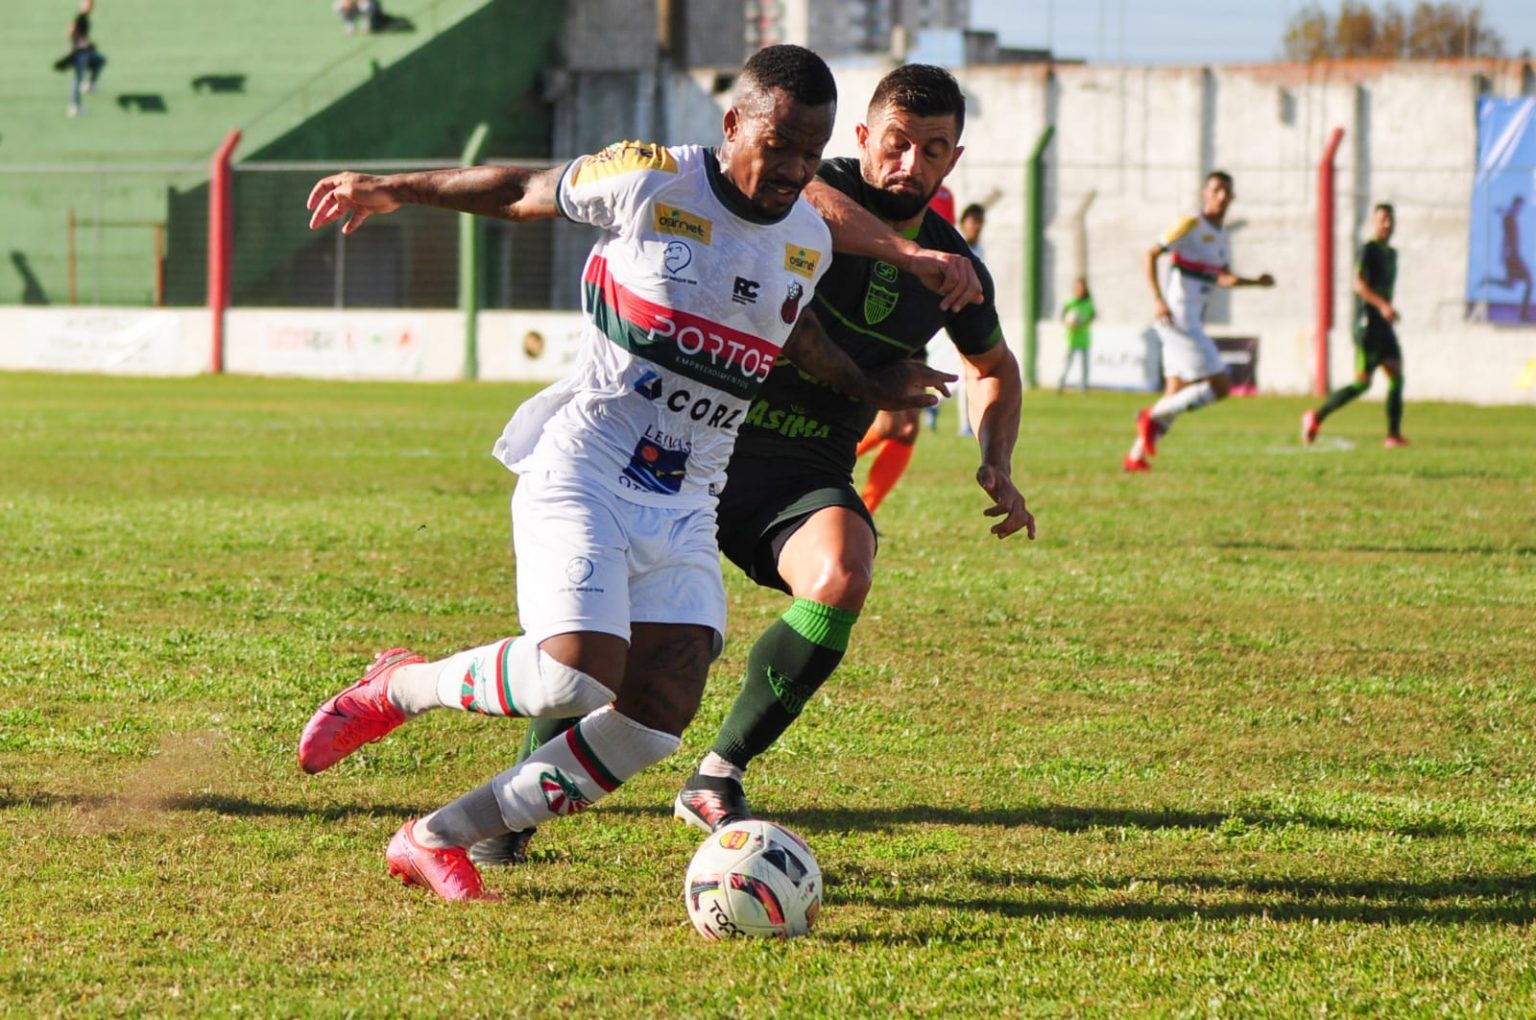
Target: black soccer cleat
point(503, 851)
point(710, 803)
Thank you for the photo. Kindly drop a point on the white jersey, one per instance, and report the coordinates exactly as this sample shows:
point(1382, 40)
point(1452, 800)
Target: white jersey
point(688, 301)
point(1199, 249)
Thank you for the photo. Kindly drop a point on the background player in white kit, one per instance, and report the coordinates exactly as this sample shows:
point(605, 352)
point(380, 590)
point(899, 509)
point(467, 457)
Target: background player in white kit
point(690, 293)
point(1192, 367)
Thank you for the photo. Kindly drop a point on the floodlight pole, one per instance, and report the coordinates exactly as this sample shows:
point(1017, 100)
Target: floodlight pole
point(221, 226)
point(1034, 229)
point(469, 262)
point(1325, 259)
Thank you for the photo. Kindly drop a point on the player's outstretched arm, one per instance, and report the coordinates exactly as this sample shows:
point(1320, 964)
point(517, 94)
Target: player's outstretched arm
point(1227, 278)
point(857, 231)
point(897, 387)
point(500, 192)
point(996, 395)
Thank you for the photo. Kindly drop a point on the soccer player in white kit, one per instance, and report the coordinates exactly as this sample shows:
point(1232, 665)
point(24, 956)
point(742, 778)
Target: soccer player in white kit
point(691, 293)
point(1192, 367)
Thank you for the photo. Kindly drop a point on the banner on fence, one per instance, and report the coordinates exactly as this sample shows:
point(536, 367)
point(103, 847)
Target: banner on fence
point(1503, 220)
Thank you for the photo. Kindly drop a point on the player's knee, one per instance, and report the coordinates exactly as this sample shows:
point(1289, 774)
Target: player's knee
point(905, 431)
point(1221, 384)
point(563, 691)
point(843, 583)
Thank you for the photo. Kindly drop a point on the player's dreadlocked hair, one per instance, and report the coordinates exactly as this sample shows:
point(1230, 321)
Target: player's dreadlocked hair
point(923, 90)
point(794, 69)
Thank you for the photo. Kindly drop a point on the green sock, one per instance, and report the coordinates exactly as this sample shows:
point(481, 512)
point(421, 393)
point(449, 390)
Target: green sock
point(1341, 396)
point(541, 732)
point(1395, 406)
point(789, 663)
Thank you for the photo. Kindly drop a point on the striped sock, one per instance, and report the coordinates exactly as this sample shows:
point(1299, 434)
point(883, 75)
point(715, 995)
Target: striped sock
point(578, 768)
point(885, 471)
point(513, 677)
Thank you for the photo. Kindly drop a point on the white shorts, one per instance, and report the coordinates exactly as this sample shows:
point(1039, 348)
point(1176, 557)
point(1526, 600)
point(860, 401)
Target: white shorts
point(590, 560)
point(1188, 353)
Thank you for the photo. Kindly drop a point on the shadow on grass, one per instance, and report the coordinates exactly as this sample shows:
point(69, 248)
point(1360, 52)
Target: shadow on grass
point(1071, 818)
point(219, 804)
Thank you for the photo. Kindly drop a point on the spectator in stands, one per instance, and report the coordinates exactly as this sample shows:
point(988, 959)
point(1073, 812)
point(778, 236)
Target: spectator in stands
point(84, 58)
point(350, 12)
point(971, 221)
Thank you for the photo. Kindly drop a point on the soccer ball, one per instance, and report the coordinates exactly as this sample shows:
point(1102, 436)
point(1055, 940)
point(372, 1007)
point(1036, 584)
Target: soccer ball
point(753, 878)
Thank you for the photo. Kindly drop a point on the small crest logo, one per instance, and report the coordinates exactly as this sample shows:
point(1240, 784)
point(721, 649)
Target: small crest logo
point(648, 385)
point(885, 271)
point(578, 569)
point(676, 257)
point(669, 219)
point(879, 303)
point(735, 839)
point(561, 793)
point(801, 260)
point(790, 309)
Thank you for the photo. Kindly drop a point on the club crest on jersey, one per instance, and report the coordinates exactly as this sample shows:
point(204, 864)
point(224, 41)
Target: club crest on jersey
point(879, 303)
point(669, 219)
point(790, 309)
point(561, 794)
point(578, 569)
point(676, 257)
point(801, 260)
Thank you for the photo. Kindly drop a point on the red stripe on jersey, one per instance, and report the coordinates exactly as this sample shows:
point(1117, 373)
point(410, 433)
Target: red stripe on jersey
point(695, 336)
point(1190, 265)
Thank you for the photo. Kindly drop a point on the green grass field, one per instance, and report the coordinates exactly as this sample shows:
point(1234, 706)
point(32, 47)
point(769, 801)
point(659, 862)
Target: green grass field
point(1250, 735)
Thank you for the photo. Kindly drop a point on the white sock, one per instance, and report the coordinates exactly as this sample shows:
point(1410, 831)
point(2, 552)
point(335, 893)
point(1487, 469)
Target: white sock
point(511, 677)
point(1190, 398)
point(578, 768)
point(413, 689)
point(1138, 449)
point(465, 822)
point(720, 768)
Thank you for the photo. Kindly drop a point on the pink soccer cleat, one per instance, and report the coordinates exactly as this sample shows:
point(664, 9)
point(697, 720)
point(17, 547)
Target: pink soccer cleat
point(448, 873)
point(1309, 427)
point(1134, 464)
point(1148, 430)
point(358, 715)
point(1393, 442)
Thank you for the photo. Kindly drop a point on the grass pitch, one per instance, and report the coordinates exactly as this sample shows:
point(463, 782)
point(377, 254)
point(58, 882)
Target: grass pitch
point(1250, 735)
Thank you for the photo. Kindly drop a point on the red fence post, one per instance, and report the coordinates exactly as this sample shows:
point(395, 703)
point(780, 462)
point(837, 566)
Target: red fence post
point(221, 223)
point(1325, 259)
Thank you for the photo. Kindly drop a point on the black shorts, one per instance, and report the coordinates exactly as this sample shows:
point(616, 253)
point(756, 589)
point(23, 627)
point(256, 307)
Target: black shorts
point(1375, 342)
point(765, 502)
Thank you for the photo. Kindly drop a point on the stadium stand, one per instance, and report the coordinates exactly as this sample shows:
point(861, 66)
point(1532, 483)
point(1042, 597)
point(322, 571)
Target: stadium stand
point(131, 173)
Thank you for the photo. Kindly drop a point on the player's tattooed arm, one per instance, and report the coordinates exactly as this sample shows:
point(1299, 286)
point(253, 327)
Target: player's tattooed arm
point(895, 387)
point(857, 231)
point(995, 397)
point(500, 192)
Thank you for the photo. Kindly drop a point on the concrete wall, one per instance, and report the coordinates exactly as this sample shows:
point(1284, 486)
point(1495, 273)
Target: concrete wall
point(1140, 140)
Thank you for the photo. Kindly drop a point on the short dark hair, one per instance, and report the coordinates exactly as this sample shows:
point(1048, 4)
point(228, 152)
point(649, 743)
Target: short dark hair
point(1386, 207)
point(975, 209)
point(793, 69)
point(921, 89)
point(1219, 175)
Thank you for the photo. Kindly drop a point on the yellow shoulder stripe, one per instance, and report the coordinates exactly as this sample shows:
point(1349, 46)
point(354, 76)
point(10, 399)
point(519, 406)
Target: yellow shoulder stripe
point(1181, 228)
point(624, 158)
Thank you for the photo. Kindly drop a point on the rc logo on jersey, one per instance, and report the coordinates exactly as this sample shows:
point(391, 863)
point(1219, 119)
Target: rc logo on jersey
point(579, 569)
point(745, 291)
point(652, 468)
point(676, 257)
point(669, 219)
point(648, 385)
point(801, 260)
point(790, 309)
point(561, 794)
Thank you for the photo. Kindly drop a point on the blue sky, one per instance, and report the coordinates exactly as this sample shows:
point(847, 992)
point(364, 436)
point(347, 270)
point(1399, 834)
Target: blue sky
point(1186, 31)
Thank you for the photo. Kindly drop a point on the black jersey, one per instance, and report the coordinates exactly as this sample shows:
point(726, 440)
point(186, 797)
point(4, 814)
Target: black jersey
point(878, 315)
